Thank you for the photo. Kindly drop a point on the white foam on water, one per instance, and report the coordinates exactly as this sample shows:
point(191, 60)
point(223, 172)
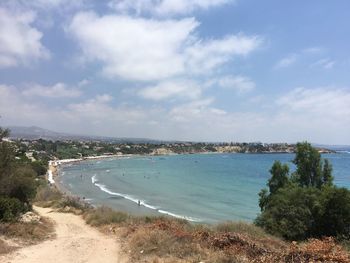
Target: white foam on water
point(188, 218)
point(142, 202)
point(94, 179)
point(149, 206)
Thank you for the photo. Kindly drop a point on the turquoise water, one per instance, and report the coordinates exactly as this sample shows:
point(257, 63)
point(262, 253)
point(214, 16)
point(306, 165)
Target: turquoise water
point(203, 187)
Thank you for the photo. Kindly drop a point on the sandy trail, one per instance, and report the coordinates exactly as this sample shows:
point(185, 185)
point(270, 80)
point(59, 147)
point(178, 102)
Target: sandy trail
point(75, 242)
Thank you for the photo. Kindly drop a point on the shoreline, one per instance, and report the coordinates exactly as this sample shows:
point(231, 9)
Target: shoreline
point(54, 169)
point(125, 206)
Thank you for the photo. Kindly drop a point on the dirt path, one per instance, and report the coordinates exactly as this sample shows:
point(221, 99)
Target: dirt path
point(75, 242)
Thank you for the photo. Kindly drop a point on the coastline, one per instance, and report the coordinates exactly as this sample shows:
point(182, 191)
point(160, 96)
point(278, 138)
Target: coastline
point(132, 208)
point(146, 210)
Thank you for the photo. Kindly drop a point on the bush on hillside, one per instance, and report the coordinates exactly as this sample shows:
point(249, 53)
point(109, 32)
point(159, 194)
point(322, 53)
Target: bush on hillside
point(305, 204)
point(291, 213)
point(104, 215)
point(10, 208)
point(39, 167)
point(17, 183)
point(335, 217)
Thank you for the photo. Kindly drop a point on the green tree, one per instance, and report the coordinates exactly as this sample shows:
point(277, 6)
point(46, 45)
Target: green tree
point(279, 176)
point(291, 213)
point(22, 184)
point(335, 218)
point(17, 182)
point(279, 179)
point(309, 205)
point(263, 199)
point(309, 165)
point(327, 178)
point(39, 167)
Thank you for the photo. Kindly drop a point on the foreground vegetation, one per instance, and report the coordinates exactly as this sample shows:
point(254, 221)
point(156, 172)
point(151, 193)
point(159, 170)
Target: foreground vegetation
point(164, 239)
point(19, 179)
point(17, 182)
point(305, 204)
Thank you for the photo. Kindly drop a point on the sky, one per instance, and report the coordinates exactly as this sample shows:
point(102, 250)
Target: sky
point(193, 70)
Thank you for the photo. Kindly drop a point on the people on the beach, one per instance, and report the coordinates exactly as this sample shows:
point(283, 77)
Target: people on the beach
point(139, 203)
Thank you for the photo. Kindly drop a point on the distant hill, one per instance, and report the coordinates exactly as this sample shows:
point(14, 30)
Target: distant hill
point(337, 148)
point(34, 133)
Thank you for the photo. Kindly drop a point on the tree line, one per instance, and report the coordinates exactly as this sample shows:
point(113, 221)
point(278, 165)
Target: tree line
point(305, 203)
point(17, 181)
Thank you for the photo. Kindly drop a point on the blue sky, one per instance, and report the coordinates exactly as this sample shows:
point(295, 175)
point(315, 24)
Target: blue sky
point(203, 70)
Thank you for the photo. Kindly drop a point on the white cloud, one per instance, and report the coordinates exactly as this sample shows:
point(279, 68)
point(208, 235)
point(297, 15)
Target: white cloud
point(44, 5)
point(54, 3)
point(149, 49)
point(83, 83)
point(16, 110)
point(133, 48)
point(190, 111)
point(169, 89)
point(92, 116)
point(165, 7)
point(324, 63)
point(311, 52)
point(59, 90)
point(239, 83)
point(323, 103)
point(318, 115)
point(20, 42)
point(204, 56)
point(314, 50)
point(287, 61)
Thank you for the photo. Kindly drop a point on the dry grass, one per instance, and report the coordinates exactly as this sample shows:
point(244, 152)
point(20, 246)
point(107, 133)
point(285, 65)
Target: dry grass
point(164, 239)
point(104, 216)
point(168, 240)
point(5, 248)
point(29, 233)
point(155, 245)
point(48, 196)
point(241, 228)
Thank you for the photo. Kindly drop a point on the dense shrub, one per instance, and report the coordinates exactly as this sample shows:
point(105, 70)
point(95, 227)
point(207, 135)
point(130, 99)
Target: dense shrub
point(39, 168)
point(22, 184)
point(335, 217)
point(17, 182)
point(10, 208)
point(291, 213)
point(305, 204)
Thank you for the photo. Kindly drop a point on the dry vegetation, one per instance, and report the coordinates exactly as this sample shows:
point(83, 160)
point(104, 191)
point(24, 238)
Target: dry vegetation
point(167, 240)
point(162, 239)
point(104, 215)
point(5, 248)
point(27, 233)
point(14, 235)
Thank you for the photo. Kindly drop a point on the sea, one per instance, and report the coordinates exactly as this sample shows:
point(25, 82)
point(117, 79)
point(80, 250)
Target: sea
point(207, 188)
